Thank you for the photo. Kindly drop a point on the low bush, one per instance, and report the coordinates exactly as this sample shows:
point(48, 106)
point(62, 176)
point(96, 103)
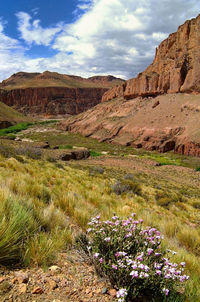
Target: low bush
point(31, 152)
point(132, 259)
point(127, 185)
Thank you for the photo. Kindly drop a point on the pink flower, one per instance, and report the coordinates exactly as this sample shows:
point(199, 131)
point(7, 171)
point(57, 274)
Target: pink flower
point(114, 266)
point(166, 291)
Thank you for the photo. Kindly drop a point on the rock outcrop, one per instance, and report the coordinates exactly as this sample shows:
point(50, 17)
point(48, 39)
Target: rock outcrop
point(176, 67)
point(52, 101)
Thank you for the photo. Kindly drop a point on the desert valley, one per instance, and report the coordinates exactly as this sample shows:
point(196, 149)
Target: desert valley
point(99, 182)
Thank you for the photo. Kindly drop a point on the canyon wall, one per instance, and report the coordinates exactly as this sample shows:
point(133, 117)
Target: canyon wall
point(52, 100)
point(176, 67)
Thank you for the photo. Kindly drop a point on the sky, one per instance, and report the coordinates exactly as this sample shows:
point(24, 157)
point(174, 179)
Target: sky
point(86, 37)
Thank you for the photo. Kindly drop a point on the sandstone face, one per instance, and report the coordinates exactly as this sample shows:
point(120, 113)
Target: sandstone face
point(52, 100)
point(176, 67)
point(166, 123)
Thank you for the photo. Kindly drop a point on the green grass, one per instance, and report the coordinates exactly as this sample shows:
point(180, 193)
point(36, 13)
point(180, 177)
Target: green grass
point(95, 153)
point(15, 129)
point(66, 147)
point(73, 139)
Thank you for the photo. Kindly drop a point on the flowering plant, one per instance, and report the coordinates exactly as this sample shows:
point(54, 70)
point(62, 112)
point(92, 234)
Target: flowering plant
point(131, 257)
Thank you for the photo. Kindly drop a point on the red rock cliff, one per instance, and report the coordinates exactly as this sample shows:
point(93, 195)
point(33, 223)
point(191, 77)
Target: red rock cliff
point(52, 100)
point(176, 67)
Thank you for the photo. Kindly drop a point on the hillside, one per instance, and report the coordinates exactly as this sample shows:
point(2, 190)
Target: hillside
point(9, 116)
point(158, 110)
point(23, 80)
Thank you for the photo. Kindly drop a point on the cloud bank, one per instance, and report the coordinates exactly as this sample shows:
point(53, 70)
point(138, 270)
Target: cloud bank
point(108, 37)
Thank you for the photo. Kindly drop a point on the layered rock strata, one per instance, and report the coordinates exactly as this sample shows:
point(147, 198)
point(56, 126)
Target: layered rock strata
point(176, 67)
point(52, 100)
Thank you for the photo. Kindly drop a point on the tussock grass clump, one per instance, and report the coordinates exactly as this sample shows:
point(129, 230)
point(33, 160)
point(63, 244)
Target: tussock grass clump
point(165, 199)
point(16, 225)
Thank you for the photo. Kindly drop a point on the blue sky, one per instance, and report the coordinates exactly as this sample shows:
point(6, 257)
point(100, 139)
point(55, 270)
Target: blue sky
point(86, 37)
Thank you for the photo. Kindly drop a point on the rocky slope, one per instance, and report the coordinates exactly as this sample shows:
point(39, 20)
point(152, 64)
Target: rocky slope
point(176, 67)
point(158, 110)
point(165, 123)
point(53, 94)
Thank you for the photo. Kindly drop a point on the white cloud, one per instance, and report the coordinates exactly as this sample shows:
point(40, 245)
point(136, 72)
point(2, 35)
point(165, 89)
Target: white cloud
point(32, 32)
point(108, 37)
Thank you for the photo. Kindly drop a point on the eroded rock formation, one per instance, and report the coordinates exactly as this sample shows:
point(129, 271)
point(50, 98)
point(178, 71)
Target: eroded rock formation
point(51, 93)
point(52, 100)
point(168, 122)
point(176, 67)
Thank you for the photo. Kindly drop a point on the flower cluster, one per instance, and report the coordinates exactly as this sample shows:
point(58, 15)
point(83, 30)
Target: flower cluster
point(131, 257)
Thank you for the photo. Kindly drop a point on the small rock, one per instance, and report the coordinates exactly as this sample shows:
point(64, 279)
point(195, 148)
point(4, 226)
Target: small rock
point(37, 291)
point(1, 279)
point(52, 284)
point(5, 287)
point(87, 290)
point(104, 290)
point(55, 269)
point(22, 277)
point(22, 288)
point(112, 292)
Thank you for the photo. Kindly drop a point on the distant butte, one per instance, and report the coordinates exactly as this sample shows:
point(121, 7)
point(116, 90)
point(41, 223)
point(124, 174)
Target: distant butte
point(54, 94)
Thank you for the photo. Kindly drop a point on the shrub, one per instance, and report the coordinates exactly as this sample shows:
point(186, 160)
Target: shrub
point(31, 152)
point(132, 258)
point(127, 185)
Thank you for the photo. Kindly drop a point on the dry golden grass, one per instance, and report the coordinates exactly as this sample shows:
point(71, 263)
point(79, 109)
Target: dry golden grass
point(64, 199)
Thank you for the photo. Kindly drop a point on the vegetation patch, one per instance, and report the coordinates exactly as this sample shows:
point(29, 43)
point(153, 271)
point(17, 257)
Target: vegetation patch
point(131, 257)
point(14, 129)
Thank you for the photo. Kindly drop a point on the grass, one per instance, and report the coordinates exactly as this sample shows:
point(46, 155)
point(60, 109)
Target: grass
point(45, 199)
point(9, 114)
point(58, 198)
point(23, 126)
point(15, 129)
point(72, 139)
